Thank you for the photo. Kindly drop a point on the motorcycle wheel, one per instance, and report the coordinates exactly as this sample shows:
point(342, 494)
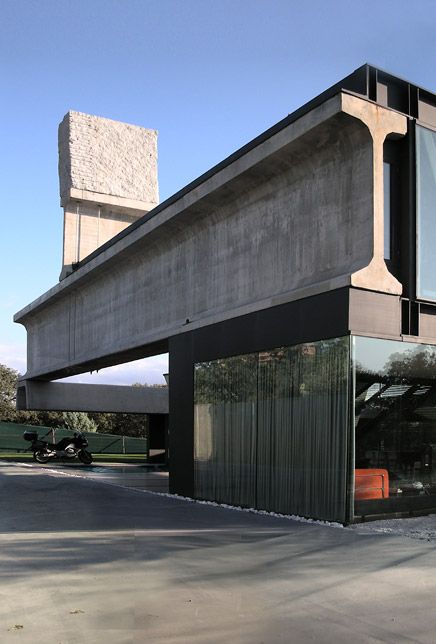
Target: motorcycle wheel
point(41, 456)
point(85, 457)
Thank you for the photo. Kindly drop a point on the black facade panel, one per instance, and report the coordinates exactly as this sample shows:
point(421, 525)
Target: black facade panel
point(181, 435)
point(314, 318)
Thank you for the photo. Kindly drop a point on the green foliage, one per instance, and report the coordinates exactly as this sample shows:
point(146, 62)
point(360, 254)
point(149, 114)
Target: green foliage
point(135, 425)
point(417, 362)
point(8, 394)
point(310, 368)
point(78, 421)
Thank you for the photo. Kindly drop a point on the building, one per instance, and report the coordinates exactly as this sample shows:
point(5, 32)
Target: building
point(294, 287)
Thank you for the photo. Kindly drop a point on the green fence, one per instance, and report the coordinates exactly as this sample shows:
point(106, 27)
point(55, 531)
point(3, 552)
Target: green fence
point(11, 440)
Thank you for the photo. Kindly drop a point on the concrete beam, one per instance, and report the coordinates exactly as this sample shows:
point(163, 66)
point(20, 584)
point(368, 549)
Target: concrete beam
point(57, 396)
point(381, 123)
point(297, 215)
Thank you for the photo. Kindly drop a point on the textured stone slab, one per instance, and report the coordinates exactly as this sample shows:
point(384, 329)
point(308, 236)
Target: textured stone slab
point(107, 157)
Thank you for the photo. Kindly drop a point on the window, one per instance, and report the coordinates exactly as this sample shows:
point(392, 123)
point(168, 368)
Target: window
point(395, 426)
point(387, 209)
point(426, 212)
point(271, 429)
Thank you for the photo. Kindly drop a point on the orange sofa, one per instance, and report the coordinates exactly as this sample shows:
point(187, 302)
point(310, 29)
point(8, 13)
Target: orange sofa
point(371, 484)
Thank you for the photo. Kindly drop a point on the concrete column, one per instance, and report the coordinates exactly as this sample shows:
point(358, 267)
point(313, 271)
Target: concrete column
point(381, 123)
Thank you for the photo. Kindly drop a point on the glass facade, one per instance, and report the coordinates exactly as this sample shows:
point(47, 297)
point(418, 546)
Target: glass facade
point(387, 209)
point(395, 426)
point(426, 212)
point(271, 429)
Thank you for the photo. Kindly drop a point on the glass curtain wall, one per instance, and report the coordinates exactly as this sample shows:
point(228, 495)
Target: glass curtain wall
point(225, 415)
point(426, 212)
point(271, 429)
point(395, 426)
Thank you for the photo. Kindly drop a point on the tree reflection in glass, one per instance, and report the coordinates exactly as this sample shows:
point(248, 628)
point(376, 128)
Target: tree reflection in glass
point(395, 423)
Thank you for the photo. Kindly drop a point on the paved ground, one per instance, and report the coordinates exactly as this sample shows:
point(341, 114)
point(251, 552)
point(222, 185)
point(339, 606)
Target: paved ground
point(141, 477)
point(83, 562)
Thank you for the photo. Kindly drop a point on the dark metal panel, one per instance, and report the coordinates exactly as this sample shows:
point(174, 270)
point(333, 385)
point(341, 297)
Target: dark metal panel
point(314, 318)
point(427, 321)
point(409, 215)
point(375, 313)
point(427, 108)
point(181, 427)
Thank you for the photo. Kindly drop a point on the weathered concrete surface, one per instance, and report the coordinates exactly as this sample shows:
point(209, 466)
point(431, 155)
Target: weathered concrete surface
point(88, 226)
point(292, 217)
point(60, 396)
point(85, 562)
point(381, 124)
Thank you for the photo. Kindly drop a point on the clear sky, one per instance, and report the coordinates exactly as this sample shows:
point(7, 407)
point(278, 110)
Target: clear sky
point(209, 75)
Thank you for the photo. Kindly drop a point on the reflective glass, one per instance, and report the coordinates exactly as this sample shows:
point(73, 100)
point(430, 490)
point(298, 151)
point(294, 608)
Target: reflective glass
point(387, 209)
point(426, 212)
point(271, 429)
point(224, 429)
point(395, 426)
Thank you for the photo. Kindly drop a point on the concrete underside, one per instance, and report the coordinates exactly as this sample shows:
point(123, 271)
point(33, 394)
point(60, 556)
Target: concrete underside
point(86, 562)
point(59, 396)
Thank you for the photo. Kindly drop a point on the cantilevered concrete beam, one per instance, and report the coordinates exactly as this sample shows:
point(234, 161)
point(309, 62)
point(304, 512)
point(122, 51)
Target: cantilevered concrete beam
point(298, 214)
point(56, 396)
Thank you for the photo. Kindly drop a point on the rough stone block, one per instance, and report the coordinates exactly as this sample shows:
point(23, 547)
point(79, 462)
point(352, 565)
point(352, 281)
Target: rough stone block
point(106, 157)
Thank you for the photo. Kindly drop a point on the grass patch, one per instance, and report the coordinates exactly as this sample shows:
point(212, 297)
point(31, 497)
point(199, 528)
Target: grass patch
point(120, 458)
point(16, 456)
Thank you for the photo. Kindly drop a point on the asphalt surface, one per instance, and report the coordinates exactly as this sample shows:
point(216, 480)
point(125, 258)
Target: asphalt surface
point(85, 562)
point(140, 477)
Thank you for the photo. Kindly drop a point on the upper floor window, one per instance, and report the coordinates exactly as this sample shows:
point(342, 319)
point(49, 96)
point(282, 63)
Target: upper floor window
point(387, 209)
point(426, 213)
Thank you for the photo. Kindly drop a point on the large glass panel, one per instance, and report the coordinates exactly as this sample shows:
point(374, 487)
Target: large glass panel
point(302, 429)
point(395, 426)
point(224, 430)
point(271, 429)
point(426, 212)
point(387, 209)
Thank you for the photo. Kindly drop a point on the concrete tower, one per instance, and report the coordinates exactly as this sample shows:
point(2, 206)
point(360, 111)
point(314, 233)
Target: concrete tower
point(108, 179)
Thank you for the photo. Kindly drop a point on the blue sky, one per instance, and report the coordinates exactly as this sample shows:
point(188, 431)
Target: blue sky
point(209, 75)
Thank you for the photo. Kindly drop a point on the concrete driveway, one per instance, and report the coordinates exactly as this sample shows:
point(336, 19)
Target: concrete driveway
point(141, 477)
point(83, 562)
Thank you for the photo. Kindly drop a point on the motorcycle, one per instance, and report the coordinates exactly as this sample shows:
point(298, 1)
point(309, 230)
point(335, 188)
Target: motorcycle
point(67, 448)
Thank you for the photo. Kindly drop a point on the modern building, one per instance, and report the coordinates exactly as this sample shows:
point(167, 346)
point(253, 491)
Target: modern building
point(294, 286)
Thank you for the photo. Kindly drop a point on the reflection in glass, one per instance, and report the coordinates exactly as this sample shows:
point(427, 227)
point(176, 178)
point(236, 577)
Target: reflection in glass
point(224, 429)
point(387, 209)
point(395, 426)
point(426, 212)
point(271, 429)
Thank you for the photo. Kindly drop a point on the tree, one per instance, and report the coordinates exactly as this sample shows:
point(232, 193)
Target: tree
point(8, 392)
point(418, 362)
point(107, 423)
point(78, 421)
point(9, 414)
point(135, 425)
point(8, 396)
